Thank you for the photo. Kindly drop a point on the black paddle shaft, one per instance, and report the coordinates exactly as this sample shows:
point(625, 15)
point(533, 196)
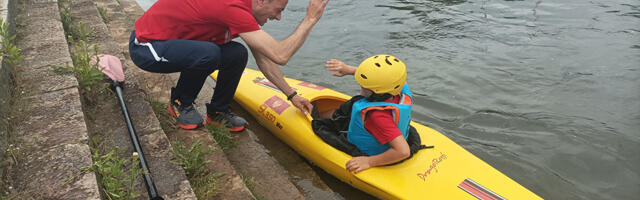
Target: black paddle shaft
point(151, 187)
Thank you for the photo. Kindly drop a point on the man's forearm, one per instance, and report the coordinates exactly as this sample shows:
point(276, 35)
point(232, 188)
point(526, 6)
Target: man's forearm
point(290, 45)
point(278, 52)
point(272, 72)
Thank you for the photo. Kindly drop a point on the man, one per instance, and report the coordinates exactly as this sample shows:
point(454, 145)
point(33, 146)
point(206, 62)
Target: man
point(193, 37)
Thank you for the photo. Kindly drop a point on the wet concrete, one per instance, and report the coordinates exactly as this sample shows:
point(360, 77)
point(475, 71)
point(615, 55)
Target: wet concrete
point(252, 160)
point(298, 170)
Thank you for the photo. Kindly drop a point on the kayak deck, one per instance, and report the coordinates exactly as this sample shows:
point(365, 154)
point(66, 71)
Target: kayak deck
point(446, 171)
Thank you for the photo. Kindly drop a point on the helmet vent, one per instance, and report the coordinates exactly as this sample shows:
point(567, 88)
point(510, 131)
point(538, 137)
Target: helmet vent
point(386, 59)
point(363, 76)
point(375, 57)
point(395, 59)
point(378, 64)
point(396, 87)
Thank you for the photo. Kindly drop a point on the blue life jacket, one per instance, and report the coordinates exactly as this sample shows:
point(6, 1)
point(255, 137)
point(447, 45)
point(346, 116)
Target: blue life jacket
point(360, 137)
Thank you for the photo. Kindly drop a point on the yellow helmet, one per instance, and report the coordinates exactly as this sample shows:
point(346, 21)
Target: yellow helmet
point(382, 74)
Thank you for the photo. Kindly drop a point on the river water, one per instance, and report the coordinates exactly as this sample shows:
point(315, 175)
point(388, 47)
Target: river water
point(547, 92)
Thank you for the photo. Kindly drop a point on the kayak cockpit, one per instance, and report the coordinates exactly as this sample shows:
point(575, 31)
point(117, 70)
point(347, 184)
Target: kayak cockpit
point(323, 106)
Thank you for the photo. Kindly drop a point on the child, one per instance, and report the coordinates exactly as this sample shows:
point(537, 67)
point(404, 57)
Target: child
point(379, 122)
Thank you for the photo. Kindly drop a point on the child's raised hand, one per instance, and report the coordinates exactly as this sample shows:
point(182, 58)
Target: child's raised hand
point(340, 68)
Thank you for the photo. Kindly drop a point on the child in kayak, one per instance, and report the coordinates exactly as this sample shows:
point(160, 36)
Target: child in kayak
point(379, 118)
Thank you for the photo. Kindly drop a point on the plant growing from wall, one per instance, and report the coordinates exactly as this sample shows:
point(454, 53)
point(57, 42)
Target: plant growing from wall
point(9, 51)
point(85, 70)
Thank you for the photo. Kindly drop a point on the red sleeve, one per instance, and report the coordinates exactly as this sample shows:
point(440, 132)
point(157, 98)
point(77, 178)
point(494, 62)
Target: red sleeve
point(381, 125)
point(240, 20)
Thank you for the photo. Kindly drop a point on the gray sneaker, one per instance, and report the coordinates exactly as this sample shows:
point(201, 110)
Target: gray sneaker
point(186, 115)
point(232, 121)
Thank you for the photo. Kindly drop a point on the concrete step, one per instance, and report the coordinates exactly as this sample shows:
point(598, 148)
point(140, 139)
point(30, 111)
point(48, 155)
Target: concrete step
point(50, 132)
point(107, 123)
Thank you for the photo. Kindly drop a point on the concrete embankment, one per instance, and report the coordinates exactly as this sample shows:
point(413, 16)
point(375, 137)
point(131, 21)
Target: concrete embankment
point(6, 85)
point(49, 129)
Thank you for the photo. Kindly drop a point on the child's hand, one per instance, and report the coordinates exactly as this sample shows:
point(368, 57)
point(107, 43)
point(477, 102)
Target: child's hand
point(358, 164)
point(340, 68)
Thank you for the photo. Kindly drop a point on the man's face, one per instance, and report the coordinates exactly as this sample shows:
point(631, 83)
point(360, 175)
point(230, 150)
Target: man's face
point(268, 10)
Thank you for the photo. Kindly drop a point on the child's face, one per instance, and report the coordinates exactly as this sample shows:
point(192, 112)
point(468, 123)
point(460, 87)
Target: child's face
point(365, 92)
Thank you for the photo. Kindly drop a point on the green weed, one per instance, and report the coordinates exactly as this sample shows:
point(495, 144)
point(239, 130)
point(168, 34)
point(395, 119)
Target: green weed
point(223, 137)
point(10, 51)
point(160, 109)
point(103, 14)
point(205, 186)
point(193, 161)
point(65, 17)
point(13, 151)
point(79, 31)
point(251, 185)
point(87, 72)
point(115, 182)
point(82, 32)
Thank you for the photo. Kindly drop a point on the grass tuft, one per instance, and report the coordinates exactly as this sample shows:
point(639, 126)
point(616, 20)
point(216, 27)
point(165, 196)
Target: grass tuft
point(10, 51)
point(65, 16)
point(166, 120)
point(193, 160)
point(115, 182)
point(85, 70)
point(251, 185)
point(225, 139)
point(103, 14)
point(79, 31)
point(82, 32)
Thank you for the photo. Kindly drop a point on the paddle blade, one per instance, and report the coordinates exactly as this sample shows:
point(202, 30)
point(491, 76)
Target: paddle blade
point(110, 66)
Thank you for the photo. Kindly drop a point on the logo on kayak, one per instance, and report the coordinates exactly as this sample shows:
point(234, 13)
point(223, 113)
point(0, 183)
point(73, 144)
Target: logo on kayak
point(432, 167)
point(311, 85)
point(478, 190)
point(277, 104)
point(266, 83)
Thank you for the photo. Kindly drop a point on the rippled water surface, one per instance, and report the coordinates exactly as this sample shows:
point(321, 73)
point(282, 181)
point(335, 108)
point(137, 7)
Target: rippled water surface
point(548, 92)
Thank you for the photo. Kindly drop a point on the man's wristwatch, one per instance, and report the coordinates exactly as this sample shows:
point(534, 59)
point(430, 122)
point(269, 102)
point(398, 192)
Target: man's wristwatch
point(292, 95)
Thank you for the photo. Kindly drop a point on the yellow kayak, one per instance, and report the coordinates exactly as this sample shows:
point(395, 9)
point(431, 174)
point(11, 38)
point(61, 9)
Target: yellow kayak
point(446, 171)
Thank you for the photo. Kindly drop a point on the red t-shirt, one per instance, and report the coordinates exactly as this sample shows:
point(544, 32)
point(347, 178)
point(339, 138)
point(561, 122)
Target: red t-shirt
point(217, 21)
point(381, 125)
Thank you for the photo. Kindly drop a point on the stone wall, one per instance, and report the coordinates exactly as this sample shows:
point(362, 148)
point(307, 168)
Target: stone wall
point(6, 85)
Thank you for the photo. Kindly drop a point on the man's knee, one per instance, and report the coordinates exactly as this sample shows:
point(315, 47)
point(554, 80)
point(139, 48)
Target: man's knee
point(209, 56)
point(236, 51)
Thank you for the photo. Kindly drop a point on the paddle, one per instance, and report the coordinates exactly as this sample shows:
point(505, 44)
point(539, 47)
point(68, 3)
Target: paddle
point(112, 67)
